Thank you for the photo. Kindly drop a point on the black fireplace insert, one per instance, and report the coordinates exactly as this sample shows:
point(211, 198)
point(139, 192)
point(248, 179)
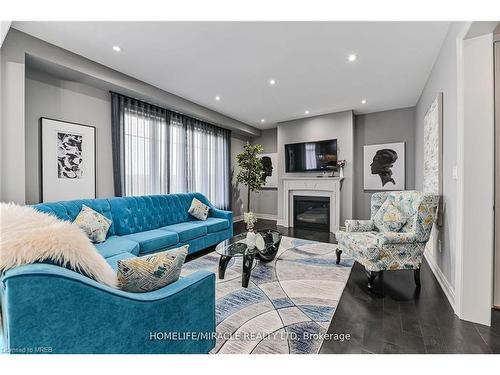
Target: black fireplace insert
point(311, 212)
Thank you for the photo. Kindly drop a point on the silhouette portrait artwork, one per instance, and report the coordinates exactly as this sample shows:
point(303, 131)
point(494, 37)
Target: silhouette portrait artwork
point(382, 164)
point(267, 166)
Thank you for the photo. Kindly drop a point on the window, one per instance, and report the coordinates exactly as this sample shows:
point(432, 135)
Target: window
point(163, 152)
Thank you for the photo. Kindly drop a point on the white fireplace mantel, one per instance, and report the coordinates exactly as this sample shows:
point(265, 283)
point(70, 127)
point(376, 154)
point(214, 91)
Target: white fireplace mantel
point(311, 186)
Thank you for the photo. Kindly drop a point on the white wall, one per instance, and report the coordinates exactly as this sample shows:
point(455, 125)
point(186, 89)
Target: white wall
point(50, 97)
point(476, 263)
point(443, 78)
point(330, 126)
point(462, 252)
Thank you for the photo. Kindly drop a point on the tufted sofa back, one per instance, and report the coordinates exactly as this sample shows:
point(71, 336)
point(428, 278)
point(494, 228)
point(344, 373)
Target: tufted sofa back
point(131, 214)
point(138, 214)
point(69, 210)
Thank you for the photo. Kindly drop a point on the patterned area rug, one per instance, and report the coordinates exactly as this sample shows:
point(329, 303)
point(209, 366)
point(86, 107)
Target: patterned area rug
point(289, 302)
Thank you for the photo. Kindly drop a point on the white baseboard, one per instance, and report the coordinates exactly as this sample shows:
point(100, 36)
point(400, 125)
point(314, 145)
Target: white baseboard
point(280, 222)
point(259, 216)
point(267, 217)
point(443, 282)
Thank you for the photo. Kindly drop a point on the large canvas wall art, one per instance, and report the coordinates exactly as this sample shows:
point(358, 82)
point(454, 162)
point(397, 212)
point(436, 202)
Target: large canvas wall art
point(67, 160)
point(433, 152)
point(270, 166)
point(433, 129)
point(384, 167)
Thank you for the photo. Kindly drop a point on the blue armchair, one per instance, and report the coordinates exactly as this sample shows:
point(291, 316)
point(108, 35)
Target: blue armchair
point(395, 236)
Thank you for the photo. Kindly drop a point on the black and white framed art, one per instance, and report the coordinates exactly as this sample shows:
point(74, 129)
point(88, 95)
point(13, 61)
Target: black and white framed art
point(68, 160)
point(384, 166)
point(270, 170)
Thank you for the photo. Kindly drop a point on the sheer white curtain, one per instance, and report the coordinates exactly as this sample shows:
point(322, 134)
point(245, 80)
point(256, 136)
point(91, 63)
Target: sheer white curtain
point(178, 156)
point(199, 159)
point(156, 151)
point(146, 151)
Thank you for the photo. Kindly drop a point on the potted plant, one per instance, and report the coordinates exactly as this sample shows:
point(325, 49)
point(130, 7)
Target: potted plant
point(250, 175)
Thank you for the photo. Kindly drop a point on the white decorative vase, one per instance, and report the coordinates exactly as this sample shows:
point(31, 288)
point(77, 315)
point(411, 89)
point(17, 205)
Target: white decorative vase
point(341, 173)
point(251, 238)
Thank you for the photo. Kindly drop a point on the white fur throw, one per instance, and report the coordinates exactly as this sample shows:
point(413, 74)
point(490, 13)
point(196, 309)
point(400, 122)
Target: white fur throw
point(28, 236)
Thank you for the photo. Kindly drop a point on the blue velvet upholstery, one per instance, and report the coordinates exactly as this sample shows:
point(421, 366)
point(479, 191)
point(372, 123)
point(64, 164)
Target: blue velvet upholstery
point(188, 230)
point(79, 315)
point(116, 245)
point(69, 210)
point(113, 261)
point(153, 240)
point(215, 225)
point(44, 305)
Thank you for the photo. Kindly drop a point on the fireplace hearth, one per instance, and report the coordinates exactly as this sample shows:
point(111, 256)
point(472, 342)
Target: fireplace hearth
point(311, 212)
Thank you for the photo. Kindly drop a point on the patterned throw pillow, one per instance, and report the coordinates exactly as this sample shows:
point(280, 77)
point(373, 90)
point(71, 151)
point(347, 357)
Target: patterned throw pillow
point(389, 218)
point(198, 209)
point(93, 223)
point(151, 272)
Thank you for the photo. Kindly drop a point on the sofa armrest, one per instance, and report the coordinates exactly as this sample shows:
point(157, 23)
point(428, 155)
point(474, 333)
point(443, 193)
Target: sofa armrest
point(53, 307)
point(359, 225)
point(221, 214)
point(398, 238)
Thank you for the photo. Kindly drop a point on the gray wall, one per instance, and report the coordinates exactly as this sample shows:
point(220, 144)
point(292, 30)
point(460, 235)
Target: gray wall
point(47, 96)
point(443, 78)
point(265, 203)
point(17, 46)
point(381, 127)
point(334, 125)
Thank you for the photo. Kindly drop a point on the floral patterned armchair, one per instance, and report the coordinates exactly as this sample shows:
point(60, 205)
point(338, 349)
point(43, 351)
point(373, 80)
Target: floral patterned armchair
point(395, 236)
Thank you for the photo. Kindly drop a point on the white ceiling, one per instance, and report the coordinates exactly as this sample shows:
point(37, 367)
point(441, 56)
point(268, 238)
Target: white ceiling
point(236, 60)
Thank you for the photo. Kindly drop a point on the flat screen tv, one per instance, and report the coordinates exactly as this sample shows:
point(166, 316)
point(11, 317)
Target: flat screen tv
point(311, 156)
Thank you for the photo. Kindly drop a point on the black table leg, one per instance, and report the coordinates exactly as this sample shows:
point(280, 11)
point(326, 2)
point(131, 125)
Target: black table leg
point(247, 269)
point(224, 260)
point(339, 253)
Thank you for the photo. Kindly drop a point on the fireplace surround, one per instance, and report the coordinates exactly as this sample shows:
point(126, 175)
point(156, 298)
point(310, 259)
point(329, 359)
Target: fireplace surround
point(326, 187)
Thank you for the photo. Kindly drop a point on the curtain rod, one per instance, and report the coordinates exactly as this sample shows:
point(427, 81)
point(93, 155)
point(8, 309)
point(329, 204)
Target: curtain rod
point(167, 109)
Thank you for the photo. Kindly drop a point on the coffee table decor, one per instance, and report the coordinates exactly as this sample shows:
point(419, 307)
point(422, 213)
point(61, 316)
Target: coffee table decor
point(288, 304)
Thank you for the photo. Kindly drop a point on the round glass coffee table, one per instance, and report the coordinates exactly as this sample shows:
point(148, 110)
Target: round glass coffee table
point(237, 247)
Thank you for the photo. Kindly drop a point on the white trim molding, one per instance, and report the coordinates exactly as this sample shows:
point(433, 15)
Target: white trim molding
point(327, 186)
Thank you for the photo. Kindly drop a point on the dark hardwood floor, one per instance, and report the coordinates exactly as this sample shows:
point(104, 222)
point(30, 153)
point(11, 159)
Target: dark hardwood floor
point(394, 318)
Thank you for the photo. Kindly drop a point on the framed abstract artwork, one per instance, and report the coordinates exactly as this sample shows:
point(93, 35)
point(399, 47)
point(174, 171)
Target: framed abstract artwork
point(433, 159)
point(68, 160)
point(270, 166)
point(384, 167)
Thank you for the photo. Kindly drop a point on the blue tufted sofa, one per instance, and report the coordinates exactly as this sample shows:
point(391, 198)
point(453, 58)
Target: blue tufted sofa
point(47, 308)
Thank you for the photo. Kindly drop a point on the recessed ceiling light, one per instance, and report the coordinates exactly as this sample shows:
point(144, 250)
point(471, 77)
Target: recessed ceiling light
point(352, 57)
point(306, 111)
point(262, 120)
point(272, 82)
point(217, 98)
point(116, 48)
point(363, 101)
